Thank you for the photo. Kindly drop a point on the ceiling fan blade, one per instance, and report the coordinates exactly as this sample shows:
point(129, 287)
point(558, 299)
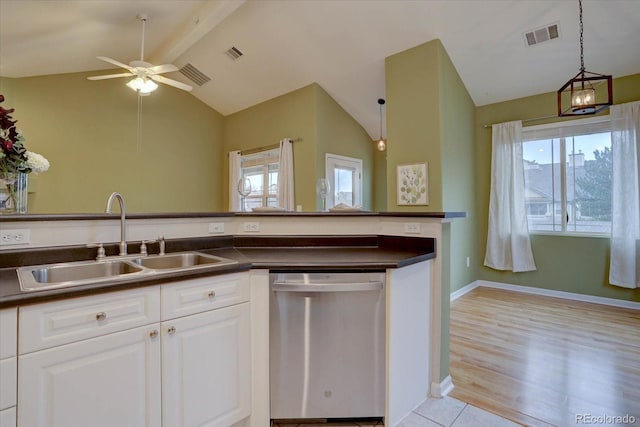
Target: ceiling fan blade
point(116, 63)
point(171, 82)
point(110, 76)
point(159, 69)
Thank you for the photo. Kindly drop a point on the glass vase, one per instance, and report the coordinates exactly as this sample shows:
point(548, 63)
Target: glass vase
point(13, 193)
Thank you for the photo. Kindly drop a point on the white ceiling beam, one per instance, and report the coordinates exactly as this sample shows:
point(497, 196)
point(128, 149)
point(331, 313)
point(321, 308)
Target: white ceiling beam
point(207, 18)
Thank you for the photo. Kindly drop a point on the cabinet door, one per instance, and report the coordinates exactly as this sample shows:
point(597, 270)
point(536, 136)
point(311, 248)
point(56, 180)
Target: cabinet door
point(113, 380)
point(206, 363)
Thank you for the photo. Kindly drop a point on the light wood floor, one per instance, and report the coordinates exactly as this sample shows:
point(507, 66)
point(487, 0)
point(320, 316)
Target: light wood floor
point(540, 361)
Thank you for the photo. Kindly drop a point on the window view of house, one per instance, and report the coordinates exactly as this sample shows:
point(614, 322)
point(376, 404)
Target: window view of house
point(261, 169)
point(568, 179)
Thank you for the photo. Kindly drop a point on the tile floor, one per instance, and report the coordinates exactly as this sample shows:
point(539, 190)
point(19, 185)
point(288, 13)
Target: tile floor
point(450, 412)
point(445, 412)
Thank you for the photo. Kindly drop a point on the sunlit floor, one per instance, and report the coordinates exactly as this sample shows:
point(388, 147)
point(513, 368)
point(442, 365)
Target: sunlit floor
point(543, 361)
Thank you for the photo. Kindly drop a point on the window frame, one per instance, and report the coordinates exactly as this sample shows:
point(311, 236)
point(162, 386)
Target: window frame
point(262, 159)
point(335, 160)
point(562, 131)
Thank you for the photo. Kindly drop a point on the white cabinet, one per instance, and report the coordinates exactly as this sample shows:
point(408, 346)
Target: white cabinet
point(206, 364)
point(8, 366)
point(113, 380)
point(91, 361)
point(170, 355)
point(206, 357)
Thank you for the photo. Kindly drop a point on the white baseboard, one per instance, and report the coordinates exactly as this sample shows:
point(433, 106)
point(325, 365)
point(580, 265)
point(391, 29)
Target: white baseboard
point(464, 290)
point(441, 389)
point(551, 293)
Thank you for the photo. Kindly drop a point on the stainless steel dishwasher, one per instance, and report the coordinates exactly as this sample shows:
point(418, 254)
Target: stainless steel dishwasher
point(327, 345)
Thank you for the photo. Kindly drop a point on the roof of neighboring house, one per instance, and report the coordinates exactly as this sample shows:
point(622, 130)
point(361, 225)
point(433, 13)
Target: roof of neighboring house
point(543, 181)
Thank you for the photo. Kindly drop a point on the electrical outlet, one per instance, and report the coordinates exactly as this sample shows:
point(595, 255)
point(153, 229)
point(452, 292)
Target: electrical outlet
point(15, 237)
point(468, 262)
point(412, 228)
point(216, 227)
point(252, 227)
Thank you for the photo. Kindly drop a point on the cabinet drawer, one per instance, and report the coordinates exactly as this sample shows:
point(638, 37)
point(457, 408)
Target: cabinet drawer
point(198, 295)
point(8, 417)
point(8, 378)
point(60, 322)
point(8, 332)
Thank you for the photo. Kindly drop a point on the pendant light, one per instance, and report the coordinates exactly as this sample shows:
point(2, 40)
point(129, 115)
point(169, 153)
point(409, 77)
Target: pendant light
point(381, 144)
point(585, 93)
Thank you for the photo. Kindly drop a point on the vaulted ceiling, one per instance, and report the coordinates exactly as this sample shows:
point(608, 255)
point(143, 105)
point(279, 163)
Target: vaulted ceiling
point(340, 44)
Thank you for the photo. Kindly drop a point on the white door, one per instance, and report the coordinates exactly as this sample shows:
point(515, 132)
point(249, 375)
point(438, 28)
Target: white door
point(113, 380)
point(206, 368)
point(345, 178)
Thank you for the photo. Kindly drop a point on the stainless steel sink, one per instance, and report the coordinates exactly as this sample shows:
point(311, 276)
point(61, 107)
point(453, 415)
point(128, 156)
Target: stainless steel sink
point(181, 261)
point(51, 276)
point(74, 273)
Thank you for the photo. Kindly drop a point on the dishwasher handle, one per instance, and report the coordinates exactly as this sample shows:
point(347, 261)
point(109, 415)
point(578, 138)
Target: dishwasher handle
point(326, 287)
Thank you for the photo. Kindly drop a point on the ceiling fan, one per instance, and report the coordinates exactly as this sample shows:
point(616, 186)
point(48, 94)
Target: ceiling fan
point(145, 74)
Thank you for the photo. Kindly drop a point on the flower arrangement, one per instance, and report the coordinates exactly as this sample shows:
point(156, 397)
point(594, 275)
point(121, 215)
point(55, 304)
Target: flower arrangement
point(15, 162)
point(14, 156)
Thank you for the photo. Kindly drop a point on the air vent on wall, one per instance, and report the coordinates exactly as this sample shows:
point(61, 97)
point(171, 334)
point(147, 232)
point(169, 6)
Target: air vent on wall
point(195, 75)
point(542, 34)
point(234, 53)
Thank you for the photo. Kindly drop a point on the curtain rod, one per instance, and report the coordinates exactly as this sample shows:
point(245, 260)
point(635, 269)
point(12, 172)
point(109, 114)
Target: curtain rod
point(265, 148)
point(529, 120)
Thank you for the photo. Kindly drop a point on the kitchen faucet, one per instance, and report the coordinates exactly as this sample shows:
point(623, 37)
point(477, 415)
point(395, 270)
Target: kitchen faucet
point(123, 231)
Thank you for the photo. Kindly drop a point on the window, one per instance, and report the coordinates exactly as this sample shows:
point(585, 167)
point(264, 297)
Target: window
point(568, 171)
point(345, 179)
point(261, 169)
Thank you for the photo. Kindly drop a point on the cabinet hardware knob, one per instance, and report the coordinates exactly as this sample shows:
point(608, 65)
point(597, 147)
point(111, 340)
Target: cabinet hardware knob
point(101, 316)
point(154, 333)
point(211, 294)
point(171, 330)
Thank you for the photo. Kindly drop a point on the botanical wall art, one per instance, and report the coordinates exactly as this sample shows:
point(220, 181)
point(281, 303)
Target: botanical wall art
point(413, 184)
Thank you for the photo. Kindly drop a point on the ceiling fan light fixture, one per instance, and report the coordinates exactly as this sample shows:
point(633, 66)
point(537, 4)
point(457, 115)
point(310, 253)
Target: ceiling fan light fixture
point(585, 93)
point(142, 85)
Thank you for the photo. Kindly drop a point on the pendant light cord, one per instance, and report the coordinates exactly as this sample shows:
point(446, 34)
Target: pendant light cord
point(581, 41)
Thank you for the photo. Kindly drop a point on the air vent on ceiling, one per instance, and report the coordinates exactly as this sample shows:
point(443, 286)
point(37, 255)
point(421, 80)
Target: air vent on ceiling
point(195, 75)
point(234, 53)
point(541, 35)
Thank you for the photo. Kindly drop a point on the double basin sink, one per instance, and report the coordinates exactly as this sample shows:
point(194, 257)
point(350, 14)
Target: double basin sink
point(53, 276)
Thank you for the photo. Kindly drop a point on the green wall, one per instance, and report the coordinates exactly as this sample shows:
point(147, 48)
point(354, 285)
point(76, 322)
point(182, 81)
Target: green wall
point(430, 117)
point(413, 119)
point(564, 263)
point(88, 130)
point(339, 134)
point(311, 114)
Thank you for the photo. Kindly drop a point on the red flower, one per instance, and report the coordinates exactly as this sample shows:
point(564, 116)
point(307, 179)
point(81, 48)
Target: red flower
point(7, 145)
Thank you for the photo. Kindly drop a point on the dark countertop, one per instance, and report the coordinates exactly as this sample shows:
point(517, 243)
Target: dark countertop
point(103, 216)
point(276, 253)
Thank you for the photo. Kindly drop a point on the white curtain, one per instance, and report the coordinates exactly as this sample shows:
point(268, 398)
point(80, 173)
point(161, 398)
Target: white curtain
point(625, 199)
point(235, 174)
point(508, 244)
point(285, 176)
